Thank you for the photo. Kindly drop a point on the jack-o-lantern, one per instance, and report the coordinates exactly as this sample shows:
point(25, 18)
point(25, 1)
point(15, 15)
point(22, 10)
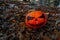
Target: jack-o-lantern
point(35, 19)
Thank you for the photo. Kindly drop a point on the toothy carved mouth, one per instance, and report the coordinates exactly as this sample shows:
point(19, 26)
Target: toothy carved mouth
point(37, 24)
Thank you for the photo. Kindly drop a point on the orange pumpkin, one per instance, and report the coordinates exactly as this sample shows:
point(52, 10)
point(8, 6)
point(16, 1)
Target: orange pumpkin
point(35, 19)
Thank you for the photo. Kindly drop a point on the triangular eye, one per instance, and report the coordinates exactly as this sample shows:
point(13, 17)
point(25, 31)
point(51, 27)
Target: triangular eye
point(30, 18)
point(42, 16)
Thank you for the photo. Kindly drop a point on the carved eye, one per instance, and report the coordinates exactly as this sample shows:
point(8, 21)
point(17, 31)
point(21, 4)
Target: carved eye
point(42, 16)
point(30, 18)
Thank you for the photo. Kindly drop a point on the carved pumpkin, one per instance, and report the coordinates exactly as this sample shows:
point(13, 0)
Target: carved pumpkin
point(35, 19)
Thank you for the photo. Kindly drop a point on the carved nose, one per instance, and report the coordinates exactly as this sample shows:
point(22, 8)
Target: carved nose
point(35, 19)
